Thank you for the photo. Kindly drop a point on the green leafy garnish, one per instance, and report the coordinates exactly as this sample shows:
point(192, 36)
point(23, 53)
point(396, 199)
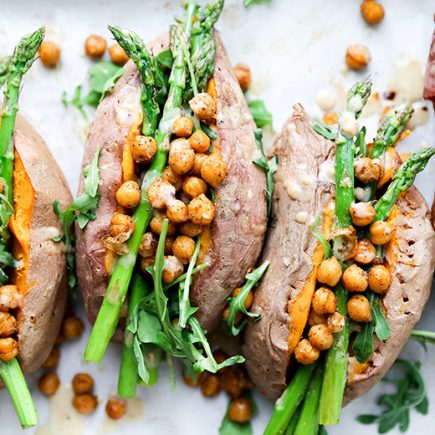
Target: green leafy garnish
point(423, 337)
point(262, 117)
point(321, 238)
point(248, 3)
point(165, 58)
point(269, 167)
point(410, 393)
point(81, 209)
point(237, 303)
point(327, 131)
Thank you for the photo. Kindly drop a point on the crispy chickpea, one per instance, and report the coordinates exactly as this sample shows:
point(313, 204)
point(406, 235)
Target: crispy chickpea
point(305, 353)
point(8, 324)
point(194, 186)
point(243, 75)
point(128, 194)
point(169, 242)
point(183, 126)
point(183, 248)
point(199, 141)
point(213, 170)
point(330, 118)
point(8, 349)
point(204, 107)
point(116, 408)
point(49, 383)
point(148, 245)
point(192, 381)
point(358, 308)
point(329, 272)
point(49, 53)
point(324, 301)
point(177, 211)
point(145, 262)
point(249, 298)
point(365, 252)
point(52, 360)
point(160, 193)
point(172, 269)
point(315, 319)
point(10, 297)
point(181, 156)
point(367, 170)
point(82, 383)
point(172, 177)
point(72, 327)
point(362, 213)
point(240, 410)
point(235, 381)
point(320, 337)
point(210, 386)
point(372, 11)
point(85, 404)
point(201, 210)
point(336, 322)
point(357, 56)
point(2, 186)
point(381, 232)
point(355, 279)
point(190, 229)
point(121, 224)
point(199, 160)
point(226, 315)
point(117, 54)
point(157, 223)
point(379, 279)
point(143, 149)
point(95, 46)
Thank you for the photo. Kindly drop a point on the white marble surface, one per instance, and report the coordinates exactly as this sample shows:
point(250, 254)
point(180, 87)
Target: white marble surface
point(295, 49)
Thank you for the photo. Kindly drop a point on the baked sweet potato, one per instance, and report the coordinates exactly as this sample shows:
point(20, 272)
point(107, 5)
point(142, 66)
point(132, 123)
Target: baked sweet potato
point(429, 84)
point(304, 189)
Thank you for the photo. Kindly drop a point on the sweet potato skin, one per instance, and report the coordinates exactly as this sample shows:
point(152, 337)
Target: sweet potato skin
point(429, 82)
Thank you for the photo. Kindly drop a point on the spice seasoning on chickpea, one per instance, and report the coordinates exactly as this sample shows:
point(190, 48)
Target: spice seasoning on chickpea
point(372, 11)
point(49, 52)
point(336, 322)
point(116, 408)
point(117, 54)
point(362, 213)
point(324, 301)
point(199, 141)
point(210, 385)
point(95, 46)
point(201, 210)
point(357, 56)
point(8, 349)
point(183, 248)
point(358, 308)
point(329, 272)
point(183, 126)
point(121, 224)
point(85, 404)
point(365, 252)
point(320, 337)
point(240, 410)
point(143, 149)
point(355, 279)
point(197, 165)
point(49, 383)
point(204, 107)
point(72, 327)
point(379, 278)
point(172, 269)
point(157, 222)
point(128, 194)
point(82, 383)
point(8, 324)
point(190, 229)
point(381, 232)
point(306, 353)
point(172, 177)
point(181, 156)
point(194, 186)
point(177, 211)
point(213, 170)
point(160, 193)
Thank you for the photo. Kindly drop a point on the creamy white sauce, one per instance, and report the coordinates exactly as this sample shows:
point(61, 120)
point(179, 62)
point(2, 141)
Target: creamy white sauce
point(348, 124)
point(355, 104)
point(167, 123)
point(295, 191)
point(327, 172)
point(129, 110)
point(301, 217)
point(45, 233)
point(407, 81)
point(419, 117)
point(326, 99)
point(362, 194)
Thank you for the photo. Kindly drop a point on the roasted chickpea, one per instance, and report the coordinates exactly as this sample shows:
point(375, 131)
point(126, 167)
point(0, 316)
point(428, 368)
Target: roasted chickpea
point(183, 248)
point(199, 160)
point(199, 141)
point(177, 211)
point(379, 279)
point(204, 107)
point(243, 74)
point(201, 210)
point(121, 224)
point(52, 360)
point(381, 232)
point(362, 213)
point(157, 223)
point(240, 410)
point(172, 269)
point(145, 262)
point(169, 242)
point(72, 327)
point(329, 272)
point(235, 382)
point(194, 186)
point(324, 301)
point(365, 252)
point(181, 156)
point(306, 353)
point(172, 177)
point(116, 408)
point(355, 279)
point(8, 349)
point(160, 193)
point(143, 149)
point(210, 386)
point(336, 322)
point(213, 170)
point(10, 297)
point(367, 170)
point(357, 56)
point(183, 126)
point(49, 383)
point(226, 315)
point(320, 337)
point(372, 11)
point(128, 194)
point(190, 229)
point(117, 54)
point(8, 324)
point(49, 53)
point(358, 308)
point(315, 319)
point(82, 383)
point(330, 118)
point(249, 298)
point(95, 46)
point(148, 245)
point(85, 404)
point(192, 381)
point(2, 186)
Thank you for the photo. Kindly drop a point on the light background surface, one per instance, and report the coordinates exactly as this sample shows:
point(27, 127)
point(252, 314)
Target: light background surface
point(294, 49)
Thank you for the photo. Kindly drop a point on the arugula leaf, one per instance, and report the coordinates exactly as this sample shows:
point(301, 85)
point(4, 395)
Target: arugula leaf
point(269, 168)
point(92, 175)
point(248, 3)
point(382, 330)
point(237, 303)
point(324, 130)
point(262, 117)
point(423, 337)
point(100, 73)
point(327, 251)
point(165, 58)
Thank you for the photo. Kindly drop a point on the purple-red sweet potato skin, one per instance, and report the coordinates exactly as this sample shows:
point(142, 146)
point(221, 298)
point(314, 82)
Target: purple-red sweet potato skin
point(429, 83)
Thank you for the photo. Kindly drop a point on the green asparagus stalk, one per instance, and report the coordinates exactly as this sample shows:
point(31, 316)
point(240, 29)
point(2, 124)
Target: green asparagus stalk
point(4, 69)
point(293, 422)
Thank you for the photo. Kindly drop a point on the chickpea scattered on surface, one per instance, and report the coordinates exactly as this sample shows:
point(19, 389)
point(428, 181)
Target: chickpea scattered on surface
point(372, 11)
point(306, 353)
point(172, 269)
point(172, 177)
point(213, 170)
point(49, 383)
point(357, 56)
point(358, 308)
point(121, 224)
point(329, 272)
point(330, 118)
point(210, 386)
point(116, 408)
point(315, 319)
point(8, 324)
point(128, 194)
point(181, 156)
point(8, 349)
point(49, 52)
point(52, 360)
point(355, 279)
point(194, 186)
point(362, 213)
point(160, 193)
point(190, 229)
point(177, 211)
point(336, 322)
point(379, 279)
point(183, 248)
point(201, 210)
point(240, 410)
point(72, 327)
point(199, 141)
point(157, 223)
point(183, 126)
point(10, 297)
point(95, 46)
point(143, 149)
point(118, 55)
point(320, 337)
point(85, 404)
point(199, 160)
point(365, 252)
point(381, 232)
point(82, 383)
point(249, 298)
point(243, 74)
point(204, 107)
point(367, 169)
point(324, 301)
